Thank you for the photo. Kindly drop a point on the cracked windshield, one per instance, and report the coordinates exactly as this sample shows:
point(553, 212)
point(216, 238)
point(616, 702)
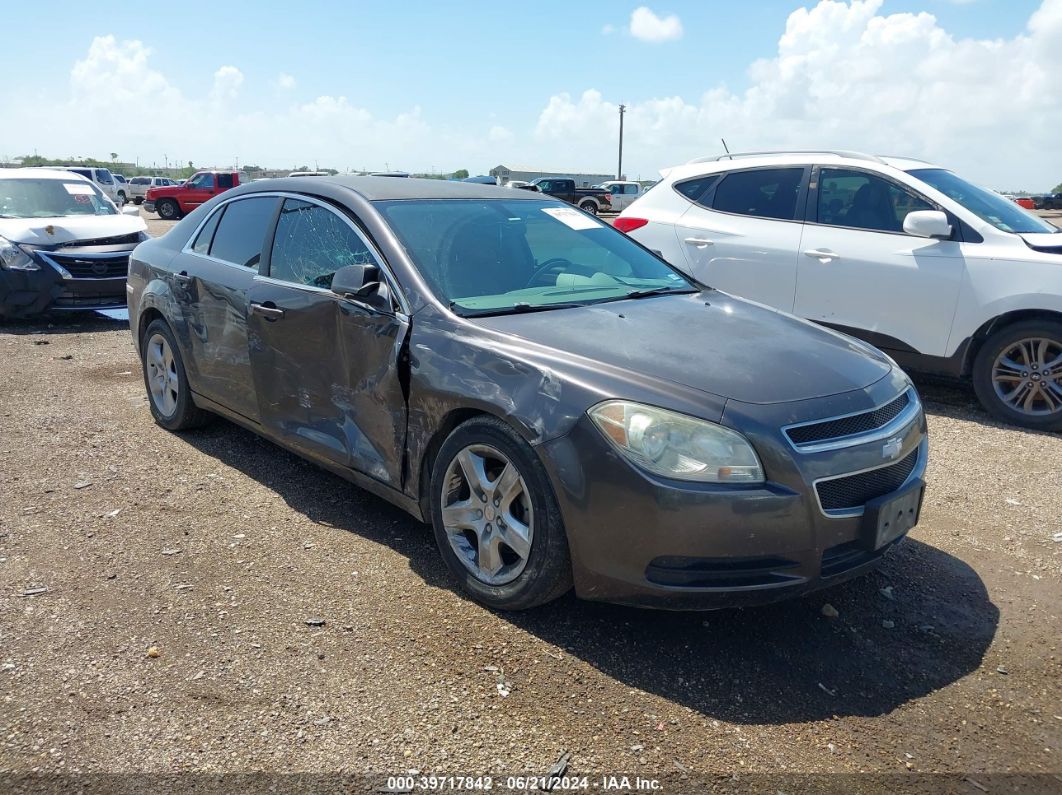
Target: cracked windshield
point(496, 257)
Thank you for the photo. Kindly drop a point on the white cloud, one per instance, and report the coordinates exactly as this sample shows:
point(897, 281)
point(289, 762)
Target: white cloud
point(227, 83)
point(499, 135)
point(647, 26)
point(845, 76)
point(285, 82)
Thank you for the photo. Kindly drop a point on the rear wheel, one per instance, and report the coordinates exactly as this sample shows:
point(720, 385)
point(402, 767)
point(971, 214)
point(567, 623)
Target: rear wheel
point(167, 383)
point(589, 207)
point(168, 209)
point(138, 200)
point(1018, 374)
point(496, 519)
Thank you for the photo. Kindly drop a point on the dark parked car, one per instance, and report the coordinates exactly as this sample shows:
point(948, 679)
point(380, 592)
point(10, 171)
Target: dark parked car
point(592, 200)
point(562, 405)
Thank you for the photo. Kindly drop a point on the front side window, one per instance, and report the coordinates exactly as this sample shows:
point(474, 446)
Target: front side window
point(202, 181)
point(51, 198)
point(764, 193)
point(241, 233)
point(860, 200)
point(104, 176)
point(1002, 213)
point(497, 256)
point(312, 243)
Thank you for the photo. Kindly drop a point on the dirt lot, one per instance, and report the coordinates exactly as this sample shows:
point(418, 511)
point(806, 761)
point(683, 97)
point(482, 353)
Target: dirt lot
point(303, 625)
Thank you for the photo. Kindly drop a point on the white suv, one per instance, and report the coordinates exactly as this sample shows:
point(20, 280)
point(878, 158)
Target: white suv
point(138, 186)
point(944, 276)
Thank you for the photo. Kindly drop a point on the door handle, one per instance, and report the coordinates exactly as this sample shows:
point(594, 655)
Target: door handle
point(822, 254)
point(270, 313)
point(699, 242)
point(183, 278)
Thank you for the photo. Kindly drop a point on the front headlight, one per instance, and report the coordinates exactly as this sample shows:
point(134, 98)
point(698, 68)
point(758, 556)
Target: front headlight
point(13, 258)
point(677, 446)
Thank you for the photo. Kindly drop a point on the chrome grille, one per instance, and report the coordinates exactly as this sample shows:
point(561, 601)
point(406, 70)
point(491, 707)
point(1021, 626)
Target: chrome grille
point(848, 426)
point(854, 491)
point(90, 266)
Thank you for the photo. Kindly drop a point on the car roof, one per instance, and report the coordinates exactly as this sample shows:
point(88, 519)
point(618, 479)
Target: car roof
point(36, 172)
point(389, 188)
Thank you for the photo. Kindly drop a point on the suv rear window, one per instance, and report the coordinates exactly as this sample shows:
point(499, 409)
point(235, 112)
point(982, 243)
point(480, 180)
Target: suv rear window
point(696, 189)
point(764, 193)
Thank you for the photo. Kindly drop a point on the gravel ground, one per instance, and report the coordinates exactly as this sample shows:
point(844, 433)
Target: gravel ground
point(215, 604)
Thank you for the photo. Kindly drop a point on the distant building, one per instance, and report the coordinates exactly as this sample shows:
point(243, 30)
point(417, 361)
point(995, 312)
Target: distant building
point(505, 173)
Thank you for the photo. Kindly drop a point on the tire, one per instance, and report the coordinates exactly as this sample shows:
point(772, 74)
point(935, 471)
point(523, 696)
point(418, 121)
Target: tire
point(520, 581)
point(122, 197)
point(166, 381)
point(589, 206)
point(168, 210)
point(993, 379)
point(138, 200)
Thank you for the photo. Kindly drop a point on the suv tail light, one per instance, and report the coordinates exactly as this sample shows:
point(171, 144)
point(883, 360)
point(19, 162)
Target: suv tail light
point(629, 224)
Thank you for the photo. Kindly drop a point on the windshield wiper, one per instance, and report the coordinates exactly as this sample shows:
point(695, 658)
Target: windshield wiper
point(515, 309)
point(656, 291)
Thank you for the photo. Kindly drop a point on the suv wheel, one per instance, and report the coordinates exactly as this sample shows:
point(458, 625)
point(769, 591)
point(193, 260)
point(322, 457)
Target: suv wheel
point(167, 383)
point(1018, 374)
point(589, 207)
point(496, 519)
point(168, 210)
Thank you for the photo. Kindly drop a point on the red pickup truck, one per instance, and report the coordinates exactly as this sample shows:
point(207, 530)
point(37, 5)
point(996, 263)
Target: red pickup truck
point(174, 201)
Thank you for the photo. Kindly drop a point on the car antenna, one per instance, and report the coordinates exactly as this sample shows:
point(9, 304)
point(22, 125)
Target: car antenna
point(726, 148)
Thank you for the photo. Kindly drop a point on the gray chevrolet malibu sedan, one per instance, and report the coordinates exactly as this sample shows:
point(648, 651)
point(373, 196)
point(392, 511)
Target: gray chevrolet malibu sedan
point(558, 402)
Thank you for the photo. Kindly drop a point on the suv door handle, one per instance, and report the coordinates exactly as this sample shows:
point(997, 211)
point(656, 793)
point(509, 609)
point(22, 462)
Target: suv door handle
point(699, 242)
point(183, 278)
point(823, 254)
point(270, 313)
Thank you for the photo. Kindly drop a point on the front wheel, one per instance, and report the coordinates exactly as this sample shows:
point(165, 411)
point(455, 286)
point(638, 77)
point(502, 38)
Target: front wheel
point(589, 207)
point(496, 519)
point(169, 395)
point(168, 210)
point(1018, 374)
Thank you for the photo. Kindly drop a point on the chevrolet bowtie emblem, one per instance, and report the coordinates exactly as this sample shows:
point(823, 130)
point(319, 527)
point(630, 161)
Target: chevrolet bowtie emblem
point(892, 448)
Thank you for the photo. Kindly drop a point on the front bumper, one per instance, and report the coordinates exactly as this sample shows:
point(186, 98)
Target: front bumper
point(53, 288)
point(149, 205)
point(641, 540)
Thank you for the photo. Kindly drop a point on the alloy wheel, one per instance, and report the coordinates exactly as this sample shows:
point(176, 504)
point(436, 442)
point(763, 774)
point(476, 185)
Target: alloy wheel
point(163, 381)
point(1027, 376)
point(487, 514)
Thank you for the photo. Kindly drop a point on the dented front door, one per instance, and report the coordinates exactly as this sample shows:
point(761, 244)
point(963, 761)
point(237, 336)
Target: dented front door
point(326, 370)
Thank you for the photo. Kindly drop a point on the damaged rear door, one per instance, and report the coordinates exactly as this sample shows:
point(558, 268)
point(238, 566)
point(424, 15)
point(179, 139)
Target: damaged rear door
point(326, 368)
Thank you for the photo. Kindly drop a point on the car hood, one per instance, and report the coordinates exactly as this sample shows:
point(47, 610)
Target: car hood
point(708, 341)
point(1047, 242)
point(68, 228)
point(164, 190)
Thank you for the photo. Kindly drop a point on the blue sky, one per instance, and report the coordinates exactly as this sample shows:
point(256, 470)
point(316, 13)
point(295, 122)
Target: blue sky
point(471, 84)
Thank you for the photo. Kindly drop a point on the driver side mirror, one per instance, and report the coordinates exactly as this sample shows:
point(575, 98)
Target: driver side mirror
point(362, 283)
point(927, 223)
point(129, 209)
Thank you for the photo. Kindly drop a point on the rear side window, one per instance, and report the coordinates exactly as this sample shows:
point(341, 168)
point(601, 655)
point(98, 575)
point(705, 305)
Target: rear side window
point(241, 232)
point(764, 193)
point(224, 181)
point(863, 201)
point(312, 243)
point(206, 234)
point(696, 189)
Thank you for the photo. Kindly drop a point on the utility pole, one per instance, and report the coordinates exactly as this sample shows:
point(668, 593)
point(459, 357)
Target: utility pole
point(619, 166)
